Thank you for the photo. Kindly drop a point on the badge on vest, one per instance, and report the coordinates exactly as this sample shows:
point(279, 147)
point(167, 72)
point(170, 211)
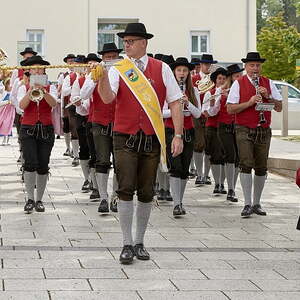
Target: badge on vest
point(132, 75)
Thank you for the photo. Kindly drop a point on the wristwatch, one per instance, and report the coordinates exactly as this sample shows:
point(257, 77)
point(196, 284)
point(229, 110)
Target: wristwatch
point(179, 136)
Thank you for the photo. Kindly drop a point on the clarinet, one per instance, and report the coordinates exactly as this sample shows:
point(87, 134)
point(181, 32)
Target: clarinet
point(262, 119)
point(181, 85)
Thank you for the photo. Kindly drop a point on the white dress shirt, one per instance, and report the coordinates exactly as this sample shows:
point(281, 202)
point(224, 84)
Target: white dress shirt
point(22, 92)
point(83, 109)
point(173, 91)
point(66, 87)
point(193, 110)
point(234, 93)
point(212, 110)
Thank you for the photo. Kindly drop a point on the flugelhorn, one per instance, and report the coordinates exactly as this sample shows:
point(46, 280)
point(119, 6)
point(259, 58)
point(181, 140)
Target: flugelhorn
point(205, 84)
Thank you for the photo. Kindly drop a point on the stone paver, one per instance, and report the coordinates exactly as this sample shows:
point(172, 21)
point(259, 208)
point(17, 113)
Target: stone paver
point(70, 252)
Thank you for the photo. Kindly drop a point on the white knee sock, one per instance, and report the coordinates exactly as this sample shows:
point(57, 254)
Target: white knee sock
point(206, 165)
point(125, 212)
point(30, 182)
point(246, 183)
point(222, 174)
point(182, 188)
point(41, 182)
point(143, 211)
point(175, 185)
point(230, 172)
point(236, 175)
point(259, 183)
point(84, 163)
point(75, 146)
point(102, 180)
point(216, 172)
point(93, 178)
point(68, 140)
point(198, 157)
point(161, 179)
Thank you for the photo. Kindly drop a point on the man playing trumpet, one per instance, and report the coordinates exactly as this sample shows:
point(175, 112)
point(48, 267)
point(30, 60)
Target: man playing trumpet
point(253, 137)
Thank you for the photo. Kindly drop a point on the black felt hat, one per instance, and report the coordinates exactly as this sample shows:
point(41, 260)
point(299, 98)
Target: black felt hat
point(207, 58)
point(80, 59)
point(195, 61)
point(110, 47)
point(28, 50)
point(136, 29)
point(215, 74)
point(253, 56)
point(92, 57)
point(36, 60)
point(181, 61)
point(158, 56)
point(234, 69)
point(72, 56)
point(168, 59)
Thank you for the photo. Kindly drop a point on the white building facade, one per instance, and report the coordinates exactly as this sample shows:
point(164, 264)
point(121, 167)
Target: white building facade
point(227, 29)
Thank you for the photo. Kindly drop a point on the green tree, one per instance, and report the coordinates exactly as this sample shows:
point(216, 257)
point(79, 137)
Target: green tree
point(271, 8)
point(279, 43)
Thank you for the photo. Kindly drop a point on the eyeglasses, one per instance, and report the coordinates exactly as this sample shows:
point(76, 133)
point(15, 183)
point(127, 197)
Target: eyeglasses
point(131, 42)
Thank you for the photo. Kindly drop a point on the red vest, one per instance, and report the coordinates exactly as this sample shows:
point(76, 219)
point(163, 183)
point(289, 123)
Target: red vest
point(250, 117)
point(73, 77)
point(81, 81)
point(103, 114)
point(212, 121)
point(187, 121)
point(91, 110)
point(130, 116)
point(34, 113)
point(20, 74)
point(195, 78)
point(223, 116)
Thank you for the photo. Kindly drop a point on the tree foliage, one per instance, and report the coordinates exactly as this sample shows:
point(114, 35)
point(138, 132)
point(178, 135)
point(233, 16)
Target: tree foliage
point(271, 8)
point(279, 43)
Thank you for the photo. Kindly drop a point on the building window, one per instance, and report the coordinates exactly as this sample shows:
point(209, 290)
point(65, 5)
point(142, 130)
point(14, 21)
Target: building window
point(199, 43)
point(35, 40)
point(108, 29)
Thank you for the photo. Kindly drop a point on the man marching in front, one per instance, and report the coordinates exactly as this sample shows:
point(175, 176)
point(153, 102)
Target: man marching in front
point(140, 85)
point(253, 132)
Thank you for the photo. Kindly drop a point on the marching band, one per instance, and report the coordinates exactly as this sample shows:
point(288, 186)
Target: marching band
point(147, 119)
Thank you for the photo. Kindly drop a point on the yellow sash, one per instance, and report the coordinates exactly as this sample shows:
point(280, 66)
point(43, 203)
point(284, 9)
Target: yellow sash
point(146, 96)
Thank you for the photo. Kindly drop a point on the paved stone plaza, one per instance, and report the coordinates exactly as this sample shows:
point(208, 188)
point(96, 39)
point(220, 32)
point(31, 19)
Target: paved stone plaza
point(71, 252)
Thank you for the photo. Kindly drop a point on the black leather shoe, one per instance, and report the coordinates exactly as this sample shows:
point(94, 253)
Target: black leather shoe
point(67, 153)
point(168, 196)
point(222, 189)
point(231, 196)
point(216, 189)
point(86, 186)
point(29, 206)
point(199, 180)
point(140, 252)
point(207, 180)
point(114, 204)
point(161, 195)
point(75, 162)
point(183, 211)
point(103, 207)
point(39, 206)
point(247, 211)
point(95, 197)
point(127, 255)
point(177, 211)
point(258, 210)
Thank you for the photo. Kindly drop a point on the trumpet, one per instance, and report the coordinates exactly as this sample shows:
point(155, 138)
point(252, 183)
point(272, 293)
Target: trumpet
point(36, 95)
point(205, 84)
